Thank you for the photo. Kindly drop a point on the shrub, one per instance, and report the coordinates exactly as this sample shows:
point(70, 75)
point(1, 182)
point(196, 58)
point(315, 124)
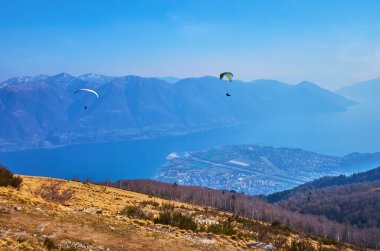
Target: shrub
point(164, 218)
point(149, 202)
point(8, 179)
point(300, 245)
point(169, 216)
point(136, 212)
point(49, 244)
point(327, 241)
point(69, 249)
point(276, 223)
point(176, 219)
point(167, 207)
point(53, 192)
point(225, 228)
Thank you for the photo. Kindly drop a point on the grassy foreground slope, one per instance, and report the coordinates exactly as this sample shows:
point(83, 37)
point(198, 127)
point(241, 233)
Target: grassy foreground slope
point(52, 214)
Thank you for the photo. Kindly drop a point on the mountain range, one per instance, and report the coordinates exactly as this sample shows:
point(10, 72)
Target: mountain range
point(44, 111)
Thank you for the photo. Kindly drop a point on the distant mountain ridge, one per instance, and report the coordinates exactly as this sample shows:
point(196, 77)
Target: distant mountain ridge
point(364, 89)
point(43, 111)
point(170, 80)
point(326, 182)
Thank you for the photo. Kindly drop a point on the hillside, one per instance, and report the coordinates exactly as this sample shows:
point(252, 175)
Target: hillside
point(326, 182)
point(67, 215)
point(253, 169)
point(364, 89)
point(354, 199)
point(44, 111)
point(254, 208)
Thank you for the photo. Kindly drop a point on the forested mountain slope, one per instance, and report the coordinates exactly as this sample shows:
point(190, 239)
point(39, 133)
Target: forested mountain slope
point(353, 200)
point(325, 182)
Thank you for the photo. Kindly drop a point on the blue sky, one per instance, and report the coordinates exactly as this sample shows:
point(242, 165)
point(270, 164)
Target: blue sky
point(330, 42)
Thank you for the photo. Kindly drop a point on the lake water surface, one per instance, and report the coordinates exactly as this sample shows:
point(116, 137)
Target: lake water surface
point(357, 130)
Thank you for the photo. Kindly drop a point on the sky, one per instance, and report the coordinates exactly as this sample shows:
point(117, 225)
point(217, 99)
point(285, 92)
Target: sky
point(329, 42)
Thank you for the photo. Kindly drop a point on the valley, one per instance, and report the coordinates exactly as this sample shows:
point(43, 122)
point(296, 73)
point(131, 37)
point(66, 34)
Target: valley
point(253, 169)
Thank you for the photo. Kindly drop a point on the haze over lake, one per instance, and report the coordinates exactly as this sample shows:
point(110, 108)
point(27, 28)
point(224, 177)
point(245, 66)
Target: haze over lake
point(337, 133)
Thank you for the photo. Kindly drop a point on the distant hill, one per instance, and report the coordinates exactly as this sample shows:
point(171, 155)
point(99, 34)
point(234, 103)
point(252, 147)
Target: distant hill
point(365, 89)
point(351, 199)
point(326, 182)
point(44, 111)
point(256, 169)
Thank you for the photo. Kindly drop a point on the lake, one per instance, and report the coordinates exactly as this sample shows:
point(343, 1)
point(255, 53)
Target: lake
point(356, 130)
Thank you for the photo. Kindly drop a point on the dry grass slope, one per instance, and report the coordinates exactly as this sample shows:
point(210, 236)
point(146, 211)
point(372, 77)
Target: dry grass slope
point(77, 216)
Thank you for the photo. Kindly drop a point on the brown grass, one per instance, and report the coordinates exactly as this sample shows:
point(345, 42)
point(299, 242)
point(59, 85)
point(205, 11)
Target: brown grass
point(91, 216)
point(77, 223)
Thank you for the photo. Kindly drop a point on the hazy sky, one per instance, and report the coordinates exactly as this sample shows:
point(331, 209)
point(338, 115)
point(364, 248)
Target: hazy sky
point(331, 42)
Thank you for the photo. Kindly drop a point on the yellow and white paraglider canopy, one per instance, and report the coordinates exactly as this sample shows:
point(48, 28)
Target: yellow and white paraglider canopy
point(229, 76)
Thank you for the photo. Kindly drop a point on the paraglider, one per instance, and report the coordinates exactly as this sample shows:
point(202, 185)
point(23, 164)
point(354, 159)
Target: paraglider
point(90, 91)
point(229, 76)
